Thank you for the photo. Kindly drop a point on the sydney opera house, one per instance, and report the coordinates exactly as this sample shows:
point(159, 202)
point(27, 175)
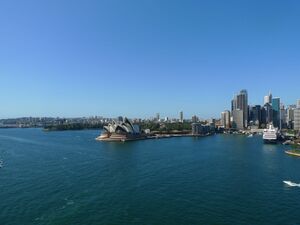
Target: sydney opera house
point(120, 131)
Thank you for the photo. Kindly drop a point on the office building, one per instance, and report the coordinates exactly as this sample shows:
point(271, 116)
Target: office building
point(290, 116)
point(255, 115)
point(282, 117)
point(199, 129)
point(194, 119)
point(225, 119)
point(238, 122)
point(233, 104)
point(297, 117)
point(157, 118)
point(267, 114)
point(276, 111)
point(181, 116)
point(268, 99)
point(240, 103)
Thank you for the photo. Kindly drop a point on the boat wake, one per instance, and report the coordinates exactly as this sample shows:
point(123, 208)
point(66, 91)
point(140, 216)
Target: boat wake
point(291, 184)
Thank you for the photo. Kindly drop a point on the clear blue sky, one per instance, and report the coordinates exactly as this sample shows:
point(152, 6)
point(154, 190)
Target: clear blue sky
point(136, 58)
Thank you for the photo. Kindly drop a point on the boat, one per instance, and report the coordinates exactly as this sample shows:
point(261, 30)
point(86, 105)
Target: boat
point(250, 135)
point(287, 142)
point(290, 183)
point(270, 135)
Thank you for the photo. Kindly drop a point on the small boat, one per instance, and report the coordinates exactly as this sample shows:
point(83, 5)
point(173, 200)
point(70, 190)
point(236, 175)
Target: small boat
point(250, 135)
point(290, 183)
point(288, 142)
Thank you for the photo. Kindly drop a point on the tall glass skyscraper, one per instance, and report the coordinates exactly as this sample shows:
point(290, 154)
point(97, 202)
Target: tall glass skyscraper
point(276, 111)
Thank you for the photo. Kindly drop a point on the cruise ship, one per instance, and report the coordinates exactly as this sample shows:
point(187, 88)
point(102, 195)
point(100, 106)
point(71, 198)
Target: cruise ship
point(270, 134)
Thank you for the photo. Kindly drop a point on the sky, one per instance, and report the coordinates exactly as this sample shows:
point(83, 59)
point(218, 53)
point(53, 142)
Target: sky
point(139, 57)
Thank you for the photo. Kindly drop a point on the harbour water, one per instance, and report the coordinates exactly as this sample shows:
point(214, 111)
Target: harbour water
point(69, 178)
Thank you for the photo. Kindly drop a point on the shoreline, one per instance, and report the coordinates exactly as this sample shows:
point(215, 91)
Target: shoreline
point(151, 137)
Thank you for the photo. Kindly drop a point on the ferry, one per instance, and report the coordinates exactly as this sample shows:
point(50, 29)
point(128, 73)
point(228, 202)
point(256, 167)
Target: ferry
point(270, 135)
point(290, 183)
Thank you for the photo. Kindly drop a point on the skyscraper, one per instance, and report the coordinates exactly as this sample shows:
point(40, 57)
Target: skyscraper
point(225, 119)
point(240, 102)
point(276, 111)
point(157, 117)
point(268, 99)
point(267, 115)
point(282, 116)
point(194, 119)
point(181, 116)
point(297, 117)
point(238, 119)
point(233, 104)
point(290, 116)
point(255, 115)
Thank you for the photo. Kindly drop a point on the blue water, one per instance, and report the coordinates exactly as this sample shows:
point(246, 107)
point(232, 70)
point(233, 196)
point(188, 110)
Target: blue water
point(69, 178)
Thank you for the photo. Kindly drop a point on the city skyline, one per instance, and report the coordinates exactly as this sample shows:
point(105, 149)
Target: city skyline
point(172, 115)
point(112, 58)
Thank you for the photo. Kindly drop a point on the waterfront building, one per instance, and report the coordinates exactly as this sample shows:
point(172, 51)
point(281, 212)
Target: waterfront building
point(200, 129)
point(297, 117)
point(238, 122)
point(276, 111)
point(225, 119)
point(120, 131)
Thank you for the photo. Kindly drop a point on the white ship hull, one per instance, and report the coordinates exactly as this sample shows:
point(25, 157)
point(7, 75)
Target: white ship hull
point(270, 135)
